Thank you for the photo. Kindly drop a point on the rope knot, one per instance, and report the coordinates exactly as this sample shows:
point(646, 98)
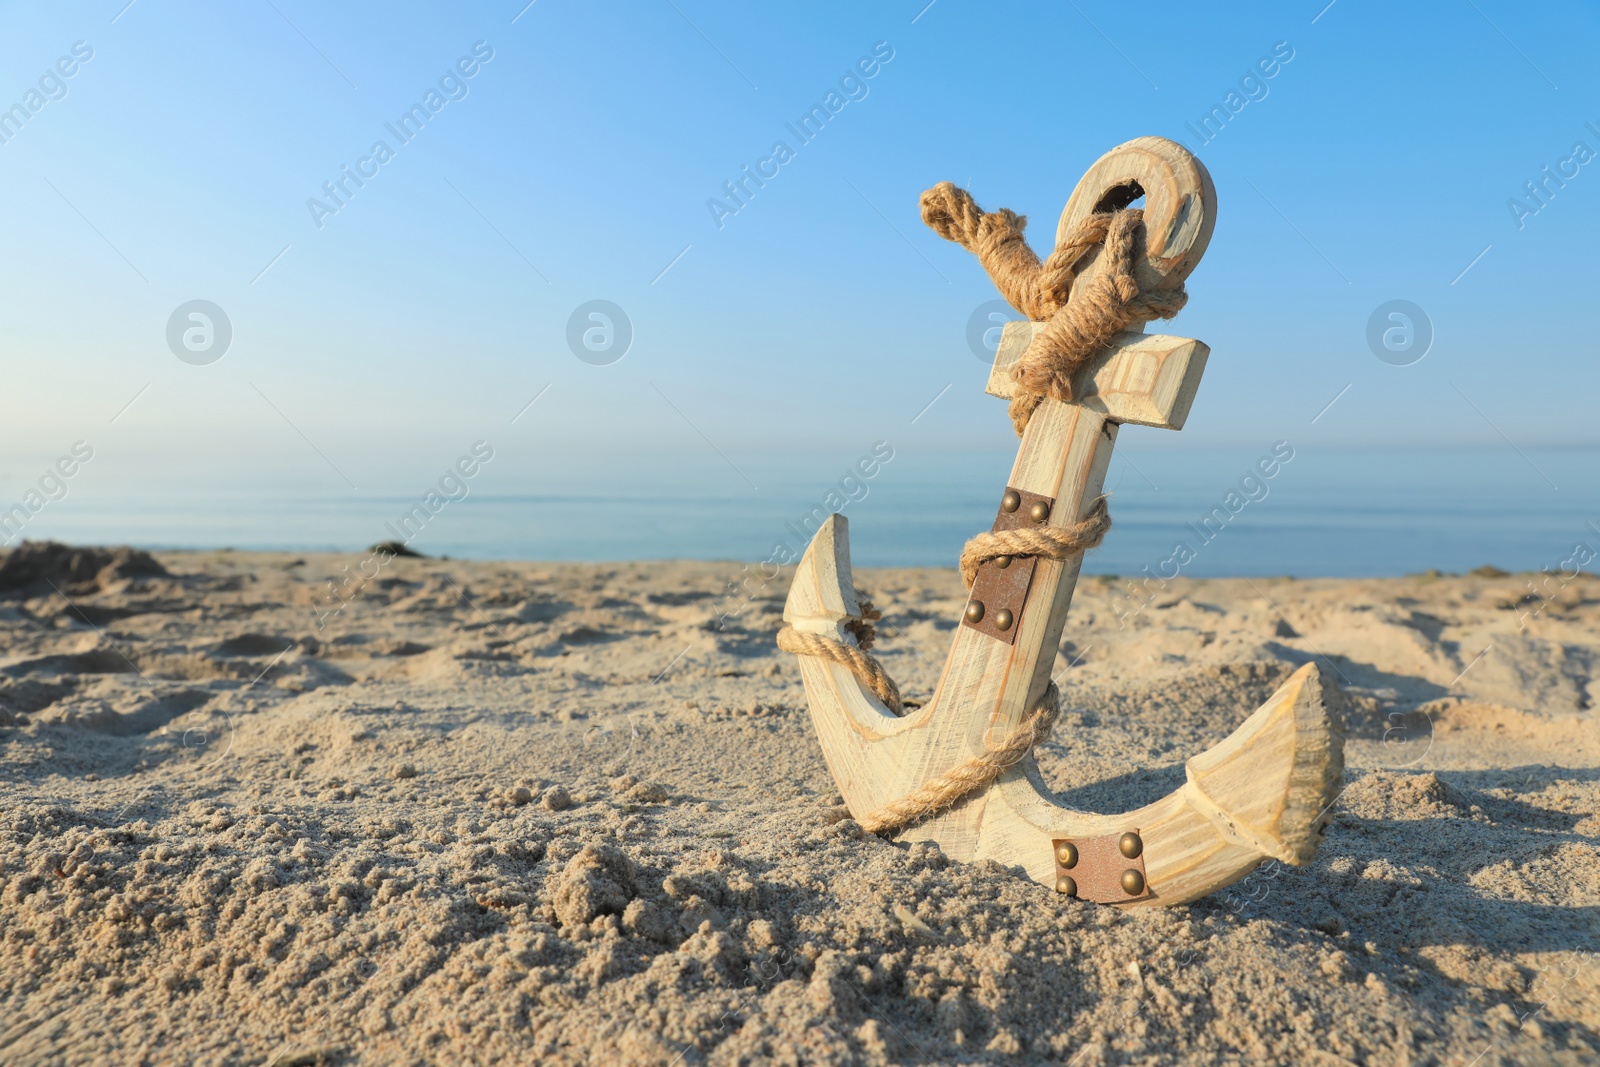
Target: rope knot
point(1074, 329)
point(861, 628)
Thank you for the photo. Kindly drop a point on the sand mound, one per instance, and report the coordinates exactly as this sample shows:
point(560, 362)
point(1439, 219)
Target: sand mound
point(34, 564)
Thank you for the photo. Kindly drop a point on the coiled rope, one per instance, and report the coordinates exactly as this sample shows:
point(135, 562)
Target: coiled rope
point(1075, 329)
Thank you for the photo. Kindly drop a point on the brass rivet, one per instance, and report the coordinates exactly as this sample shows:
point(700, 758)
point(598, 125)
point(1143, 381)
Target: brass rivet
point(1131, 844)
point(975, 611)
point(1002, 619)
point(1039, 512)
point(1067, 854)
point(1132, 882)
point(1066, 886)
point(1002, 562)
point(1011, 501)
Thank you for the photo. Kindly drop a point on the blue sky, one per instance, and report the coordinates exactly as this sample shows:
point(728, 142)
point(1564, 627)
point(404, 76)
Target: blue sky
point(578, 165)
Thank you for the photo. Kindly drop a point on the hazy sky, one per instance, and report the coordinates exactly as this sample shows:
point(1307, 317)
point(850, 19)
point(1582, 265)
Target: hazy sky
point(372, 345)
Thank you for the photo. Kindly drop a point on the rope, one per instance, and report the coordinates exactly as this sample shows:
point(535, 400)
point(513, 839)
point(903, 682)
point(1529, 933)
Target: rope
point(972, 776)
point(1037, 290)
point(1050, 542)
point(1074, 329)
point(861, 628)
point(863, 666)
point(966, 778)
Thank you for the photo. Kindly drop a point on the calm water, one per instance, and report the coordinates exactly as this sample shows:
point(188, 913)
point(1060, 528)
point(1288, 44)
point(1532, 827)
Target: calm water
point(1325, 513)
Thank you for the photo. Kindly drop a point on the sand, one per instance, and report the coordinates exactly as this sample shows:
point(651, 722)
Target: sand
point(522, 812)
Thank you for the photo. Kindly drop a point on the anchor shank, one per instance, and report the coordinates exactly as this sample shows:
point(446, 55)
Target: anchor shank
point(1066, 460)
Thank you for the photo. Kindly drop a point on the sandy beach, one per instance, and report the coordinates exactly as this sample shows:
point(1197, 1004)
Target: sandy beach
point(471, 812)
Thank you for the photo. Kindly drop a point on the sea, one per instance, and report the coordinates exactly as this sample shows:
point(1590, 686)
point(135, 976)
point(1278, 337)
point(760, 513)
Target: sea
point(1323, 512)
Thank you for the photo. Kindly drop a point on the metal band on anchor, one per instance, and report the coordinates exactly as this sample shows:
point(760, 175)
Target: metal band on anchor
point(1107, 869)
point(1000, 590)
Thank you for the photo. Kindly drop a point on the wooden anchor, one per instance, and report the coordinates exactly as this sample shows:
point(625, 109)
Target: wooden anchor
point(1262, 793)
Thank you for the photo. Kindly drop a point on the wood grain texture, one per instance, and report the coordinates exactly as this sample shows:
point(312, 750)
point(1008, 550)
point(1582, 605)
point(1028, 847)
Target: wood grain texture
point(832, 599)
point(1261, 793)
point(1143, 379)
point(1180, 209)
